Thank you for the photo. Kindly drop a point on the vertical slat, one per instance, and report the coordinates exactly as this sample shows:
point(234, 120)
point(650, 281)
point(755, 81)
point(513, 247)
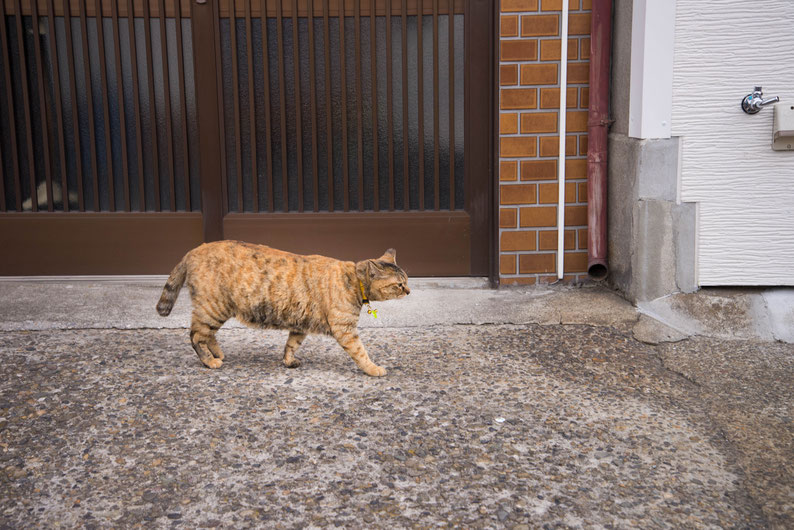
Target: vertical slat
point(421, 106)
point(451, 22)
point(10, 104)
point(268, 129)
point(136, 103)
point(312, 84)
point(374, 69)
point(90, 103)
point(205, 24)
point(343, 77)
point(43, 110)
point(56, 77)
point(147, 22)
point(328, 112)
point(236, 100)
point(26, 102)
point(406, 167)
point(2, 183)
point(389, 108)
point(298, 119)
point(122, 113)
point(283, 102)
point(251, 105)
point(359, 107)
point(180, 59)
point(169, 137)
point(105, 108)
point(436, 170)
point(75, 121)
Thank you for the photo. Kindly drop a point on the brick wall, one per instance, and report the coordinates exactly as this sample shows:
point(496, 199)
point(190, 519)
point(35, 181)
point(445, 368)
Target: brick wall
point(529, 78)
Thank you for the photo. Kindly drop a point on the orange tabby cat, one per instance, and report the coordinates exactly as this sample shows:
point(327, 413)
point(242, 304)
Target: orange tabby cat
point(269, 288)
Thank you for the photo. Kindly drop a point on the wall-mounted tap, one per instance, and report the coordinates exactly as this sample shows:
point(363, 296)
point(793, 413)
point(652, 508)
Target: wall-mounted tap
point(754, 102)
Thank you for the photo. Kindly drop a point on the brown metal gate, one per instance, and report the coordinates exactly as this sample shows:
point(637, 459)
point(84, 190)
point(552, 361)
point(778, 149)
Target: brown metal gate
point(133, 132)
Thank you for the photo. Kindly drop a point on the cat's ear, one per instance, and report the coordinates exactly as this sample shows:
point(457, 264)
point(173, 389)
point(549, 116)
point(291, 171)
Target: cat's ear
point(366, 270)
point(389, 256)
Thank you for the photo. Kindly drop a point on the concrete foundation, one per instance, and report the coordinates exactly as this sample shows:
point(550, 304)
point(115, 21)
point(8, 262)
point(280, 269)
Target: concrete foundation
point(652, 236)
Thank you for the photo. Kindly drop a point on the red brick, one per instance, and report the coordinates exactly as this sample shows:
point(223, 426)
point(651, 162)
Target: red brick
point(519, 50)
point(575, 215)
point(550, 145)
point(575, 262)
point(509, 26)
point(584, 98)
point(526, 280)
point(548, 239)
point(584, 48)
point(578, 73)
point(538, 122)
point(550, 98)
point(576, 169)
point(508, 123)
point(579, 24)
point(507, 264)
point(548, 193)
point(538, 216)
point(556, 5)
point(582, 144)
point(518, 194)
point(540, 25)
point(576, 121)
point(550, 50)
point(582, 235)
point(517, 147)
point(519, 98)
point(508, 217)
point(536, 263)
point(519, 240)
point(508, 170)
point(508, 74)
point(582, 191)
point(539, 74)
point(519, 5)
point(538, 169)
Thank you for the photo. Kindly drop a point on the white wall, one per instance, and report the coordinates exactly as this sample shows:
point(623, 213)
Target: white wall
point(744, 189)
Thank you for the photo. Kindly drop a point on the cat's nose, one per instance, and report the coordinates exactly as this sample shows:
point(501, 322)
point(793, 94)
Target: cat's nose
point(407, 290)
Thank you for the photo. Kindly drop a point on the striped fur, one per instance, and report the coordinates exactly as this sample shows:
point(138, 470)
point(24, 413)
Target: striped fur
point(272, 289)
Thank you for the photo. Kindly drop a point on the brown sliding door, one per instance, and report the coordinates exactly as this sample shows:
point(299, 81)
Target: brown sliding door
point(134, 132)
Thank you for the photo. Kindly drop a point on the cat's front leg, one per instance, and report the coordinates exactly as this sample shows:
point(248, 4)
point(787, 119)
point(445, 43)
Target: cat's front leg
point(349, 340)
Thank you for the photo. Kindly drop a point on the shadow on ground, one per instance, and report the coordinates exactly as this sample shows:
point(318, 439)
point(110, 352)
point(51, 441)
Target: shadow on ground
point(475, 426)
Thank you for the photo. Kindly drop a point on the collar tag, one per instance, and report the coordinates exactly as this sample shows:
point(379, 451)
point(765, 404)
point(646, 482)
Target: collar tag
point(365, 300)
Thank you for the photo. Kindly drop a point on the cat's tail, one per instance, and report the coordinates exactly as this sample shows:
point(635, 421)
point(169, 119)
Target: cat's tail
point(171, 289)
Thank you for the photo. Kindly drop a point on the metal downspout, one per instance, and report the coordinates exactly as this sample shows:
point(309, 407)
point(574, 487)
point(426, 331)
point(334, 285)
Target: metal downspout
point(597, 128)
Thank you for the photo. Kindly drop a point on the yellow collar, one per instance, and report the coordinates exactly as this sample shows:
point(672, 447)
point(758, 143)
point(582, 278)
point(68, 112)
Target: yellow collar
point(365, 300)
point(363, 296)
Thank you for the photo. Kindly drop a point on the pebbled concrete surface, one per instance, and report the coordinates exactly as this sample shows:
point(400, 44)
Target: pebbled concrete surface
point(475, 426)
point(533, 408)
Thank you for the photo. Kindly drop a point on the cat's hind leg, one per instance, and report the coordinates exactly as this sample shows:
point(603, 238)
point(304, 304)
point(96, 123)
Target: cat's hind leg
point(294, 341)
point(202, 336)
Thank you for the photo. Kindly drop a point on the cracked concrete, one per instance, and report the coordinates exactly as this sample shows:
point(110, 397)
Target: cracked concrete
point(726, 313)
point(508, 409)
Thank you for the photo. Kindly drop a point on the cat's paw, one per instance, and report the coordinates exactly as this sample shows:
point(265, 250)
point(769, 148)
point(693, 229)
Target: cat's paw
point(213, 363)
point(376, 371)
point(294, 363)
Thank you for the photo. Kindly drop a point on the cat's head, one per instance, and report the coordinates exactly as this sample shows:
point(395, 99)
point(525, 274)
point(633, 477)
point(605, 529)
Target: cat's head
point(382, 278)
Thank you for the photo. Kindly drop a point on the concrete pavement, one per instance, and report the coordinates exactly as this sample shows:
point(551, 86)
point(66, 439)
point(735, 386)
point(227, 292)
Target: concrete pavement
point(527, 408)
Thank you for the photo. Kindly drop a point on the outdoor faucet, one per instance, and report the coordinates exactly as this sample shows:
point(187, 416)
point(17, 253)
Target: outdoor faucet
point(754, 102)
